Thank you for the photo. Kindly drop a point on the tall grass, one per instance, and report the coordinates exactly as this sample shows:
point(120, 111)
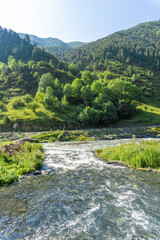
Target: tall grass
point(143, 155)
point(26, 161)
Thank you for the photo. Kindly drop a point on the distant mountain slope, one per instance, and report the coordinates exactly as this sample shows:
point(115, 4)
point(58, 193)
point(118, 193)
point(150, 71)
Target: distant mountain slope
point(58, 51)
point(21, 49)
point(54, 45)
point(21, 77)
point(139, 45)
point(76, 44)
point(48, 42)
point(45, 42)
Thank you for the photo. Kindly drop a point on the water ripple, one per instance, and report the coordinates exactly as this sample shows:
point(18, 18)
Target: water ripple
point(83, 198)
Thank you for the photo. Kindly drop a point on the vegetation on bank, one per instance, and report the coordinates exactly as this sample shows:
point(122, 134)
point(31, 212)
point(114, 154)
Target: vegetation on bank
point(145, 154)
point(28, 159)
point(63, 136)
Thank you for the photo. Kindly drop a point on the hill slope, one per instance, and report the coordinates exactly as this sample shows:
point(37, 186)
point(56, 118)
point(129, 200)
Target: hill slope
point(21, 77)
point(139, 46)
point(21, 49)
point(54, 45)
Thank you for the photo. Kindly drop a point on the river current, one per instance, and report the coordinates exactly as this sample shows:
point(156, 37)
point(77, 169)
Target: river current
point(81, 198)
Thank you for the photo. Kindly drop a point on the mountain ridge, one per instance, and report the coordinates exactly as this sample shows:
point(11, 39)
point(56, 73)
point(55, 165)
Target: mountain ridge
point(138, 45)
point(50, 41)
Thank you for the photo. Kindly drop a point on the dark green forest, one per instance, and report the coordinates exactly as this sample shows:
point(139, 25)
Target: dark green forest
point(110, 81)
point(138, 46)
point(54, 45)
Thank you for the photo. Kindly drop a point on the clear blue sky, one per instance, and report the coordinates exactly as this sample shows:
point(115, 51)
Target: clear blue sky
point(70, 20)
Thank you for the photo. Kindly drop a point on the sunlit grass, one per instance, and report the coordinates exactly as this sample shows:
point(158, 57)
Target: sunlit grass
point(26, 161)
point(143, 155)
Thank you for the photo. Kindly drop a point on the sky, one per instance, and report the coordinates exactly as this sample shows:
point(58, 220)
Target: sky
point(76, 20)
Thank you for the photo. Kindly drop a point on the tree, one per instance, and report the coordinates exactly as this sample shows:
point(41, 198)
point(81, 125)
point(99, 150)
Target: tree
point(46, 80)
point(98, 101)
point(50, 100)
point(76, 88)
point(86, 95)
point(64, 102)
point(125, 109)
point(96, 88)
point(12, 63)
point(68, 90)
point(26, 37)
point(3, 68)
point(119, 89)
point(39, 97)
point(86, 77)
point(58, 88)
point(89, 115)
point(72, 68)
point(109, 113)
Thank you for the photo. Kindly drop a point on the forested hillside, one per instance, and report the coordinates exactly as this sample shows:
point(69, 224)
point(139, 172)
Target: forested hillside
point(21, 49)
point(138, 46)
point(112, 80)
point(54, 45)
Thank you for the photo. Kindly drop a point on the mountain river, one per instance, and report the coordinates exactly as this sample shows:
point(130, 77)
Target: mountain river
point(81, 198)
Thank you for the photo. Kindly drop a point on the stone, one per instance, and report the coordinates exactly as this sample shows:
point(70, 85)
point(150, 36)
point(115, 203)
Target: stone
point(37, 172)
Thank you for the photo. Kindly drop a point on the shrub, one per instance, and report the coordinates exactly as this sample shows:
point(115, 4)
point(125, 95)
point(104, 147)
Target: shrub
point(33, 106)
point(89, 115)
point(17, 102)
point(2, 106)
point(27, 98)
point(6, 120)
point(125, 109)
point(109, 113)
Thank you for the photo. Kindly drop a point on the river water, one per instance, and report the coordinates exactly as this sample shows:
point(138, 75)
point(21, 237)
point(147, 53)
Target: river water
point(82, 198)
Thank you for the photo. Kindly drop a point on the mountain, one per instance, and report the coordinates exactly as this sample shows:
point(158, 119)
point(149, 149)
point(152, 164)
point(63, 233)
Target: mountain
point(22, 64)
point(124, 74)
point(138, 46)
point(21, 49)
point(54, 45)
point(45, 42)
point(76, 44)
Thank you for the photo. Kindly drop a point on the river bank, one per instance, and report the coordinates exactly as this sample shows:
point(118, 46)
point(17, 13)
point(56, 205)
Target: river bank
point(144, 155)
point(132, 132)
point(19, 159)
point(81, 137)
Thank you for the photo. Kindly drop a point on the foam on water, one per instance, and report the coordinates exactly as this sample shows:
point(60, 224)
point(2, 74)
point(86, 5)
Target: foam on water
point(83, 198)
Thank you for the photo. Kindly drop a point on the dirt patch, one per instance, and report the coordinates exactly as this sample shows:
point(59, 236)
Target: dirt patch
point(11, 149)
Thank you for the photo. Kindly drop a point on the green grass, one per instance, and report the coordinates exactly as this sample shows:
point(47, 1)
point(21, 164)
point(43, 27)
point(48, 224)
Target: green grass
point(147, 113)
point(26, 161)
point(143, 155)
point(2, 143)
point(63, 136)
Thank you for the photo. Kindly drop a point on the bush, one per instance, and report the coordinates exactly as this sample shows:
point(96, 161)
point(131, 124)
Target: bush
point(89, 115)
point(6, 120)
point(27, 98)
point(109, 113)
point(17, 102)
point(33, 106)
point(2, 106)
point(125, 109)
